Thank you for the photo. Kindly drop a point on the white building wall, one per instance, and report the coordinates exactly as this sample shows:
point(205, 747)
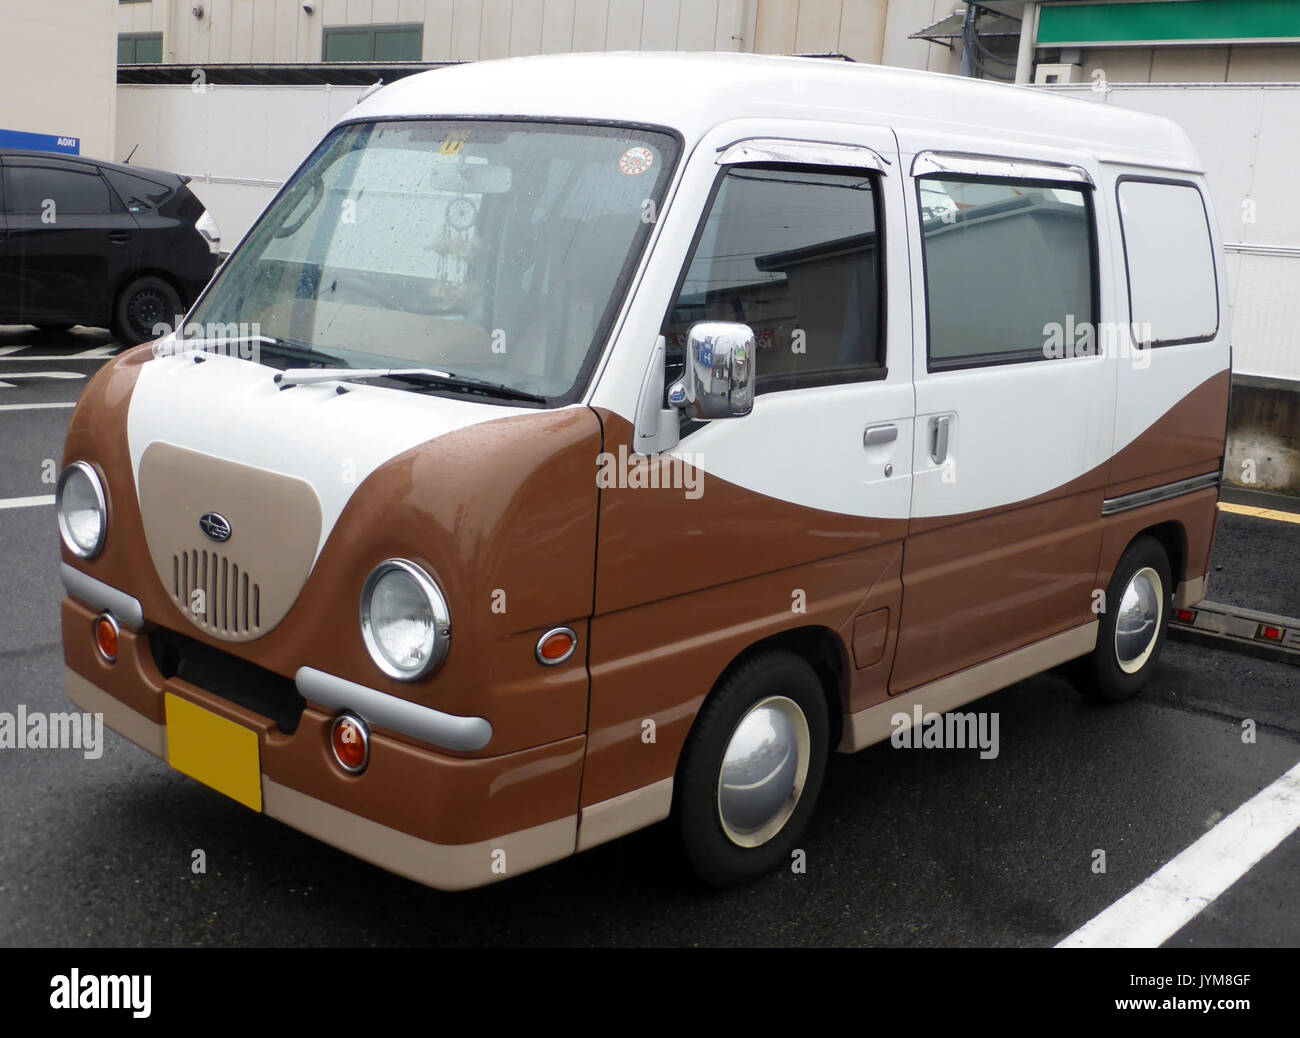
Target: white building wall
point(58, 68)
point(471, 30)
point(239, 143)
point(1246, 136)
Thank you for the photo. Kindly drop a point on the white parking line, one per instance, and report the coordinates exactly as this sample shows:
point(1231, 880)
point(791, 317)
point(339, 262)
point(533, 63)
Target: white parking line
point(5, 384)
point(37, 407)
point(26, 502)
point(1154, 911)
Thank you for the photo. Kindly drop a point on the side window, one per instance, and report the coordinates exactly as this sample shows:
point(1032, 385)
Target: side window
point(793, 253)
point(72, 191)
point(1173, 290)
point(1009, 267)
point(139, 193)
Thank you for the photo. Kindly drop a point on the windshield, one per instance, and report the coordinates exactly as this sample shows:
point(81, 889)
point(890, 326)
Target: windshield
point(494, 250)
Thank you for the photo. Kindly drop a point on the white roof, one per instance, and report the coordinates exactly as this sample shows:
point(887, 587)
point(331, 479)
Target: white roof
point(693, 92)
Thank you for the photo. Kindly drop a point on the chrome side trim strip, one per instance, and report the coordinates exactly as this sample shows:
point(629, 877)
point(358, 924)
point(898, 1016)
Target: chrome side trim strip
point(385, 711)
point(100, 596)
point(1251, 249)
point(993, 166)
point(1153, 495)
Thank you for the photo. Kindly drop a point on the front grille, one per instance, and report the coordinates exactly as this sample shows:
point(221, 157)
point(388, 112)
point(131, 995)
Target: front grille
point(216, 595)
point(240, 588)
point(246, 684)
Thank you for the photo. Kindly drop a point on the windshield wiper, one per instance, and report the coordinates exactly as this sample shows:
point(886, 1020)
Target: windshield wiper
point(415, 376)
point(295, 350)
point(290, 348)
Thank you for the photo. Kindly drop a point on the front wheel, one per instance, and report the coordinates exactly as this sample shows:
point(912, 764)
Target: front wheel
point(142, 307)
point(1132, 626)
point(751, 769)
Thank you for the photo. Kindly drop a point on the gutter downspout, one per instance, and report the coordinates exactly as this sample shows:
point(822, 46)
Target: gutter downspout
point(169, 45)
point(1028, 38)
point(738, 19)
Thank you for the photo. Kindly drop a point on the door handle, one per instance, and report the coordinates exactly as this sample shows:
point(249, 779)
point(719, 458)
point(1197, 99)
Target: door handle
point(877, 434)
point(939, 439)
point(120, 237)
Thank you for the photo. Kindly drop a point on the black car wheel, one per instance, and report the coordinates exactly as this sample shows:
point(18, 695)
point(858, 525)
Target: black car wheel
point(1132, 627)
point(144, 305)
point(751, 769)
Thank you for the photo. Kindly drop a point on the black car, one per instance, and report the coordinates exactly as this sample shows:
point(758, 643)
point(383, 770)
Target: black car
point(99, 243)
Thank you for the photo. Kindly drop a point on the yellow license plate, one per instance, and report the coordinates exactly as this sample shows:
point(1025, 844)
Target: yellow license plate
point(217, 752)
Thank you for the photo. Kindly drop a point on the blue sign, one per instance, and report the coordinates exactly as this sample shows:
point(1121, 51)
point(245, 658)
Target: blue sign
point(40, 142)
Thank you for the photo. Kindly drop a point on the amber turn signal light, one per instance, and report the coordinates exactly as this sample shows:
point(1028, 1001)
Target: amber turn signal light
point(556, 646)
point(106, 632)
point(350, 741)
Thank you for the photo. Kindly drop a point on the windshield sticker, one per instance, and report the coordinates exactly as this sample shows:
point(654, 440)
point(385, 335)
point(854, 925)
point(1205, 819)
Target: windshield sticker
point(636, 161)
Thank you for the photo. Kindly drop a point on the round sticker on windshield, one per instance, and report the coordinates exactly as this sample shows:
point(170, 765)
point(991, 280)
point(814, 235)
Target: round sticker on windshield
point(636, 161)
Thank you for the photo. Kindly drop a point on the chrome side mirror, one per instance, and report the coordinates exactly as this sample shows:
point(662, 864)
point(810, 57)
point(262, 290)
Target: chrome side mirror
point(719, 377)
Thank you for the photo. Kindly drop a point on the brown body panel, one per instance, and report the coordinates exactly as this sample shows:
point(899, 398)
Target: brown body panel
point(977, 588)
point(529, 532)
point(1028, 571)
point(431, 795)
point(681, 588)
point(1187, 437)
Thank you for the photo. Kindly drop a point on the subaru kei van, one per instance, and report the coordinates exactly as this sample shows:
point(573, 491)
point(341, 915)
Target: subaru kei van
point(578, 442)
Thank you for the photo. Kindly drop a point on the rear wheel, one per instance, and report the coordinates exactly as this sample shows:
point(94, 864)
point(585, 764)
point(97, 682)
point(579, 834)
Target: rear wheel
point(1132, 627)
point(751, 770)
point(142, 306)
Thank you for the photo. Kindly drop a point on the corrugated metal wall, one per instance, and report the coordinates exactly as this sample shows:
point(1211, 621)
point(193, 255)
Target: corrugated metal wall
point(468, 30)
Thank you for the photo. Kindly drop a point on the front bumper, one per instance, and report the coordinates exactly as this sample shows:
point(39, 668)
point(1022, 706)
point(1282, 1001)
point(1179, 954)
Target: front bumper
point(446, 821)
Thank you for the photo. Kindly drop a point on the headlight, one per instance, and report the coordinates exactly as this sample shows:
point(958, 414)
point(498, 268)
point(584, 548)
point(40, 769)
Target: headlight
point(404, 620)
point(83, 515)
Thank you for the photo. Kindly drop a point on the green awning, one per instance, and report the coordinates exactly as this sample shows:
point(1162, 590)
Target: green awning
point(1189, 21)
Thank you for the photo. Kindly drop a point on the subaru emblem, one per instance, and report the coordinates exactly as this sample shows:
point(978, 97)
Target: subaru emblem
point(215, 525)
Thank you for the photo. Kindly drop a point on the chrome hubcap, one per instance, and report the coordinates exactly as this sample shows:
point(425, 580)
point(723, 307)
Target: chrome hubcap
point(763, 771)
point(1141, 609)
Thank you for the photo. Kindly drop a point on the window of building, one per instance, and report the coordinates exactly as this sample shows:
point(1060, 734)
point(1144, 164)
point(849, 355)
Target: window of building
point(139, 48)
point(29, 189)
point(793, 253)
point(373, 43)
point(1009, 268)
point(1173, 290)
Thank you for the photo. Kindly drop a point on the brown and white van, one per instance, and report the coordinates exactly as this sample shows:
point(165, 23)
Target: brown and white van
point(581, 441)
